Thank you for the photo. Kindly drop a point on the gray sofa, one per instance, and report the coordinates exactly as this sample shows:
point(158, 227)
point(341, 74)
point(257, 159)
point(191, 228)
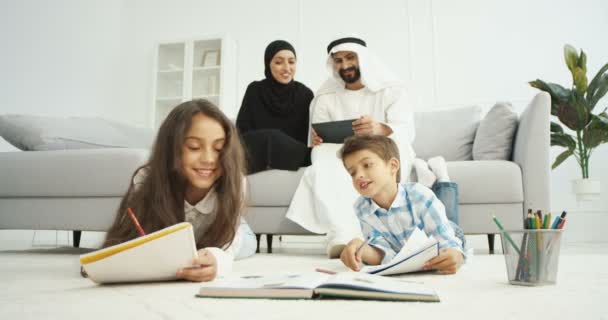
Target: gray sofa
point(65, 189)
point(80, 189)
point(505, 188)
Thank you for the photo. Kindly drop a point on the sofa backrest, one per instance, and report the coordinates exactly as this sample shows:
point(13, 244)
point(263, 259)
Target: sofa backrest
point(38, 133)
point(448, 133)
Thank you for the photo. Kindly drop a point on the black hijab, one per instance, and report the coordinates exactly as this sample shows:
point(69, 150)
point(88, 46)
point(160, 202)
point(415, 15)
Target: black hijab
point(269, 104)
point(278, 98)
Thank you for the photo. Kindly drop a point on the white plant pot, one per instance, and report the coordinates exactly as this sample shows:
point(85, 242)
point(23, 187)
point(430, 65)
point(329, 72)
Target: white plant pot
point(586, 189)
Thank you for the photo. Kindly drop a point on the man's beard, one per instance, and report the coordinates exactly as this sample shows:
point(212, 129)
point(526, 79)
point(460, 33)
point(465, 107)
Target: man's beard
point(350, 79)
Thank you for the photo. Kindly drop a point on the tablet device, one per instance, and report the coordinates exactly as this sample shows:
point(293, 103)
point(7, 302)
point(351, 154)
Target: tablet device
point(334, 131)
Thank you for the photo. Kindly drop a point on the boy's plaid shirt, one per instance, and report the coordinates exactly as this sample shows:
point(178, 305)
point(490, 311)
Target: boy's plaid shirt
point(414, 206)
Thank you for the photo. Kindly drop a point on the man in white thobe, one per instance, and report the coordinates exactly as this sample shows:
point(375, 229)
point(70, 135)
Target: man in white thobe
point(362, 89)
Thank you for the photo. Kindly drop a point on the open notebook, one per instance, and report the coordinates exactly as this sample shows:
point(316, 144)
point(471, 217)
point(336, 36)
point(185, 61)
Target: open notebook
point(316, 285)
point(415, 253)
point(154, 257)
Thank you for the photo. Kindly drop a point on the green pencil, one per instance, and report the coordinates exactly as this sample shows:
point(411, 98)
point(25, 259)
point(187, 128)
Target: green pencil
point(506, 234)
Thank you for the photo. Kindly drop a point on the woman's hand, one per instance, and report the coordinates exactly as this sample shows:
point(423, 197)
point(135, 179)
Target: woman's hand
point(316, 140)
point(448, 261)
point(204, 268)
point(367, 126)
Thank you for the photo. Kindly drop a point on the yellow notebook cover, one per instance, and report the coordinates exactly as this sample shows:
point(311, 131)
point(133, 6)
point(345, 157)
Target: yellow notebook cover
point(154, 257)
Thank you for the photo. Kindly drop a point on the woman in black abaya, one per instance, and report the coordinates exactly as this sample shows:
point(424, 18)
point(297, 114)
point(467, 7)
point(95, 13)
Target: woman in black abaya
point(273, 119)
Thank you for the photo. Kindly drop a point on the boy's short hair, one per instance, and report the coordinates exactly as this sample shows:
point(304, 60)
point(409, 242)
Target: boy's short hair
point(384, 147)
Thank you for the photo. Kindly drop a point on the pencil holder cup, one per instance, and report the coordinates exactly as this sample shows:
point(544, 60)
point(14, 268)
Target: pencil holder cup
point(531, 255)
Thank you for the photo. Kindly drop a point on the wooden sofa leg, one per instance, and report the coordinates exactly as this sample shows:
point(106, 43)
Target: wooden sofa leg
point(269, 242)
point(491, 242)
point(76, 236)
point(257, 239)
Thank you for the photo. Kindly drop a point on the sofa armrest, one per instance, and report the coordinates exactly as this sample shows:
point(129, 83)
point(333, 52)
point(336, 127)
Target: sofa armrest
point(69, 173)
point(531, 153)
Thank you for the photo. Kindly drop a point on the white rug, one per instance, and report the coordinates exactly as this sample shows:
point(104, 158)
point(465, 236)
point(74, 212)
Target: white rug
point(45, 284)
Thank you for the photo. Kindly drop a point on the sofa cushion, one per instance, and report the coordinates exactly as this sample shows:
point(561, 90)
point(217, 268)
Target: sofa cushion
point(478, 182)
point(69, 173)
point(273, 188)
point(487, 181)
point(38, 133)
point(494, 137)
point(7, 147)
point(447, 133)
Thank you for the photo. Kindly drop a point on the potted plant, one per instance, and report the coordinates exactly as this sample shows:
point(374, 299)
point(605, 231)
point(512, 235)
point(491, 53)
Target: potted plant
point(573, 107)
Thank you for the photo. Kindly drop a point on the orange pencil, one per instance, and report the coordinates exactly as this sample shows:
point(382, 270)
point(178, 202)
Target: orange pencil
point(139, 228)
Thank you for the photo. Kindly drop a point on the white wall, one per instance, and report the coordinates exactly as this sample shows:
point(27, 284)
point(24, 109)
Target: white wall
point(70, 57)
point(61, 57)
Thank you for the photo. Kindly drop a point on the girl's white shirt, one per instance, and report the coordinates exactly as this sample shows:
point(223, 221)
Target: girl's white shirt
point(201, 215)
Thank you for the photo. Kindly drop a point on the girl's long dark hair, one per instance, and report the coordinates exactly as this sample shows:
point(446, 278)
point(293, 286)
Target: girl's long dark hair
point(158, 202)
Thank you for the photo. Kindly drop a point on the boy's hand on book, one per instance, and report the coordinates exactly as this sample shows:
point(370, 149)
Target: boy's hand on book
point(316, 140)
point(448, 261)
point(348, 256)
point(204, 268)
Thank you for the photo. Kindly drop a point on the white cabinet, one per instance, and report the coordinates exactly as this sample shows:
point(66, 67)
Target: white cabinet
point(203, 68)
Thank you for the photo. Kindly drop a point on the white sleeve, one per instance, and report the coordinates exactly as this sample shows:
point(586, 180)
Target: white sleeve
point(399, 115)
point(319, 112)
point(319, 108)
point(225, 257)
point(224, 260)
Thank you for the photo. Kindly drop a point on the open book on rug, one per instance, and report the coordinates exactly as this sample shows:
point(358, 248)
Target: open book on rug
point(316, 285)
point(415, 253)
point(154, 257)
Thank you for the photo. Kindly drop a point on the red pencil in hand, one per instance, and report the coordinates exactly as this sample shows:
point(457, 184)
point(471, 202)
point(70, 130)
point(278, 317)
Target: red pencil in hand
point(139, 228)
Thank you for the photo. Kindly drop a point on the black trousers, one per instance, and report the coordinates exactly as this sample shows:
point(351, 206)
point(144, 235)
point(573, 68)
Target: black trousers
point(273, 149)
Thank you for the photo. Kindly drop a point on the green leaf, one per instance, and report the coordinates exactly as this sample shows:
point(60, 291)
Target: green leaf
point(602, 89)
point(582, 61)
point(555, 90)
point(570, 56)
point(563, 140)
point(596, 132)
point(574, 114)
point(556, 127)
point(594, 84)
point(560, 158)
point(592, 138)
point(603, 117)
point(559, 94)
point(580, 80)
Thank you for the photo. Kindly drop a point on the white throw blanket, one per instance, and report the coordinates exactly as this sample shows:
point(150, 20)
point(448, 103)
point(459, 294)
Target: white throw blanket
point(326, 187)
